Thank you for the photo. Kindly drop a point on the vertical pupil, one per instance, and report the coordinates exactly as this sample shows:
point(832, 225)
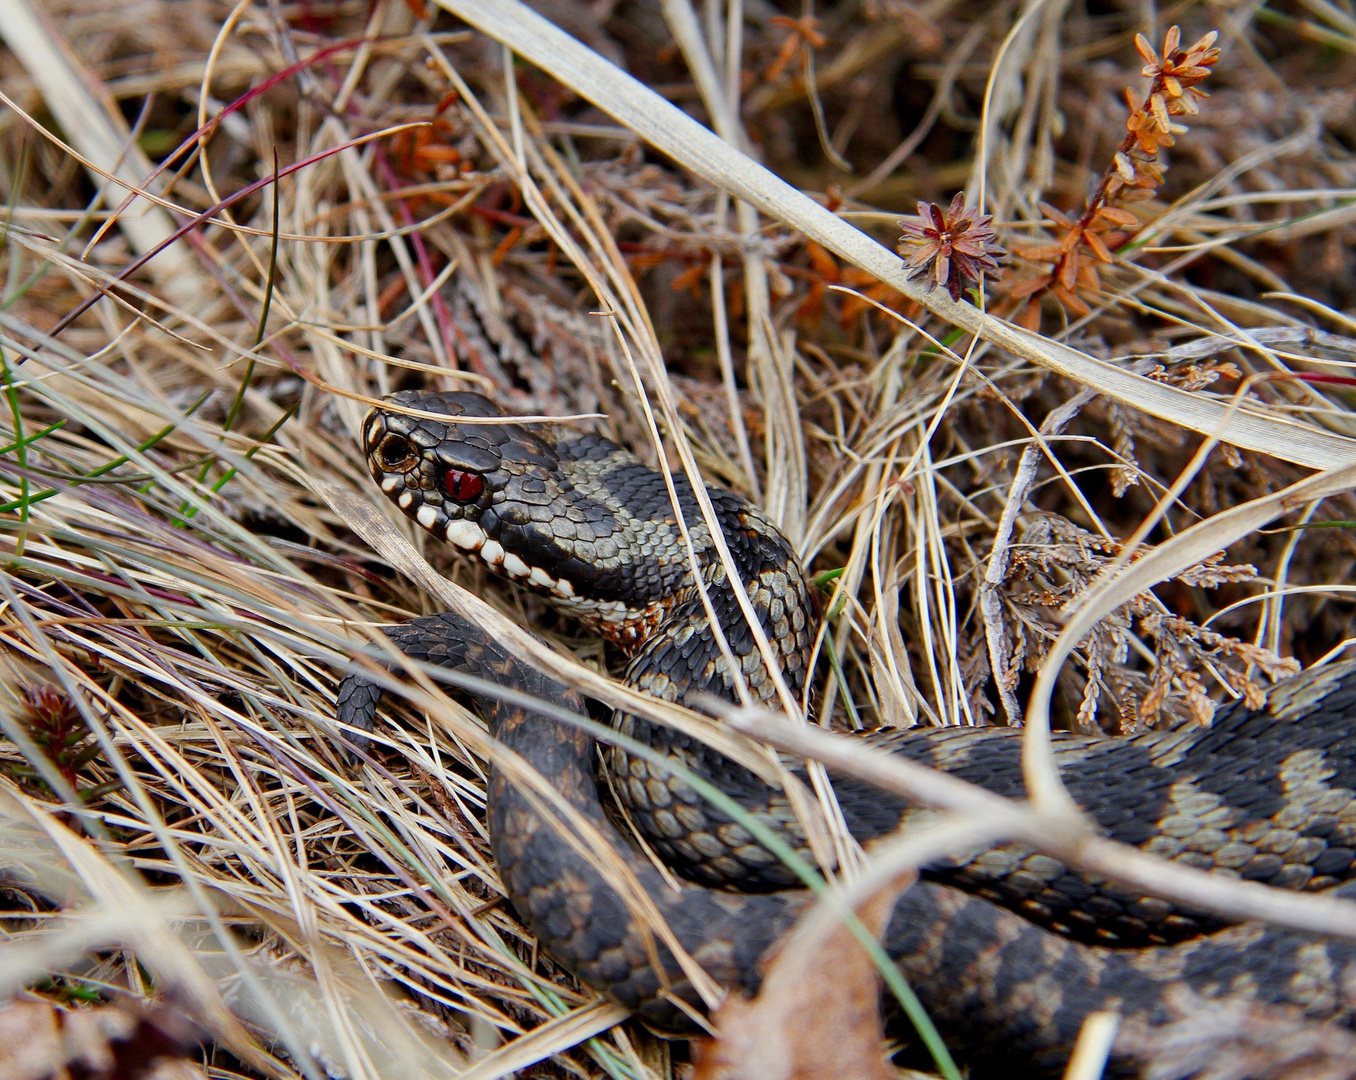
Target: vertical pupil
point(462, 486)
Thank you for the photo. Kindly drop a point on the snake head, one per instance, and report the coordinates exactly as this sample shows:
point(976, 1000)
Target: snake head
point(476, 485)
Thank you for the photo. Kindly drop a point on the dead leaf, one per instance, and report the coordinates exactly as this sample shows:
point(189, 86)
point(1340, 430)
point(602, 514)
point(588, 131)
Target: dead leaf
point(39, 1041)
point(817, 1016)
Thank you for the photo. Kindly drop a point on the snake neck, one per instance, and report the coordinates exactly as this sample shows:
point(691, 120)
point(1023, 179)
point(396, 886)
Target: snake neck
point(615, 552)
point(577, 883)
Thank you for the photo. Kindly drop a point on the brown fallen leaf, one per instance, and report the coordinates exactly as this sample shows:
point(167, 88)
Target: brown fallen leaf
point(39, 1041)
point(817, 1016)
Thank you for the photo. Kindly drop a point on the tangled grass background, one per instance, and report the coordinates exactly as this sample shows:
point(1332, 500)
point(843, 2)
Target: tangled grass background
point(342, 199)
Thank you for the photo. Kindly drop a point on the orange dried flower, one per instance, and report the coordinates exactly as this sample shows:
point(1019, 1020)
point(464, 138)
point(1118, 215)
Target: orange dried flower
point(1133, 176)
point(954, 247)
point(1179, 71)
point(804, 34)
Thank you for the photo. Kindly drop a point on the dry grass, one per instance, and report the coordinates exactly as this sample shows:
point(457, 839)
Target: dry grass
point(180, 406)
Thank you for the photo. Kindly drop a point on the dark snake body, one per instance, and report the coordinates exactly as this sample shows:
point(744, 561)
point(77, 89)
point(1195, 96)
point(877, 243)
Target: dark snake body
point(1268, 794)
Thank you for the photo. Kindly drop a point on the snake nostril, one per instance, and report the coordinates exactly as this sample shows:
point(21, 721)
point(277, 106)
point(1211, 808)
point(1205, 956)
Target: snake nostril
point(397, 454)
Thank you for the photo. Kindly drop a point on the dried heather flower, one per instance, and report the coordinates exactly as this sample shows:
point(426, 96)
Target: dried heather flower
point(1148, 124)
point(955, 247)
point(1179, 71)
point(1134, 175)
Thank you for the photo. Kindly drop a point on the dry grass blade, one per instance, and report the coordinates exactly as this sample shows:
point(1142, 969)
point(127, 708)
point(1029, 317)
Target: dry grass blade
point(122, 911)
point(102, 137)
point(552, 1038)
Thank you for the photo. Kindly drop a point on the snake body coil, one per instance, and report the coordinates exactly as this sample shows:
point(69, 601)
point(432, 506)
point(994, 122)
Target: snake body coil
point(1267, 795)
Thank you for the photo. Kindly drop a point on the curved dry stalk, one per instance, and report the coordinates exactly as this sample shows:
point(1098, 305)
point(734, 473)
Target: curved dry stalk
point(1120, 584)
point(1053, 832)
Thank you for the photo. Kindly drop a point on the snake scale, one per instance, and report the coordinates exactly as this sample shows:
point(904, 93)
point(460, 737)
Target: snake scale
point(1268, 794)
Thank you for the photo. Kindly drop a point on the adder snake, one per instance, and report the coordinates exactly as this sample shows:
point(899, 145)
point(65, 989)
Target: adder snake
point(1267, 795)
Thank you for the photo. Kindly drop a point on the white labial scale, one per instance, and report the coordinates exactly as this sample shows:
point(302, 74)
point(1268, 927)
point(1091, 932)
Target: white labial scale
point(542, 578)
point(390, 483)
point(565, 588)
point(427, 516)
point(406, 498)
point(492, 552)
point(514, 566)
point(466, 535)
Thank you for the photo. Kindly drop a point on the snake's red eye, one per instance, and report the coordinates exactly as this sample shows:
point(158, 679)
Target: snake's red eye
point(462, 486)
